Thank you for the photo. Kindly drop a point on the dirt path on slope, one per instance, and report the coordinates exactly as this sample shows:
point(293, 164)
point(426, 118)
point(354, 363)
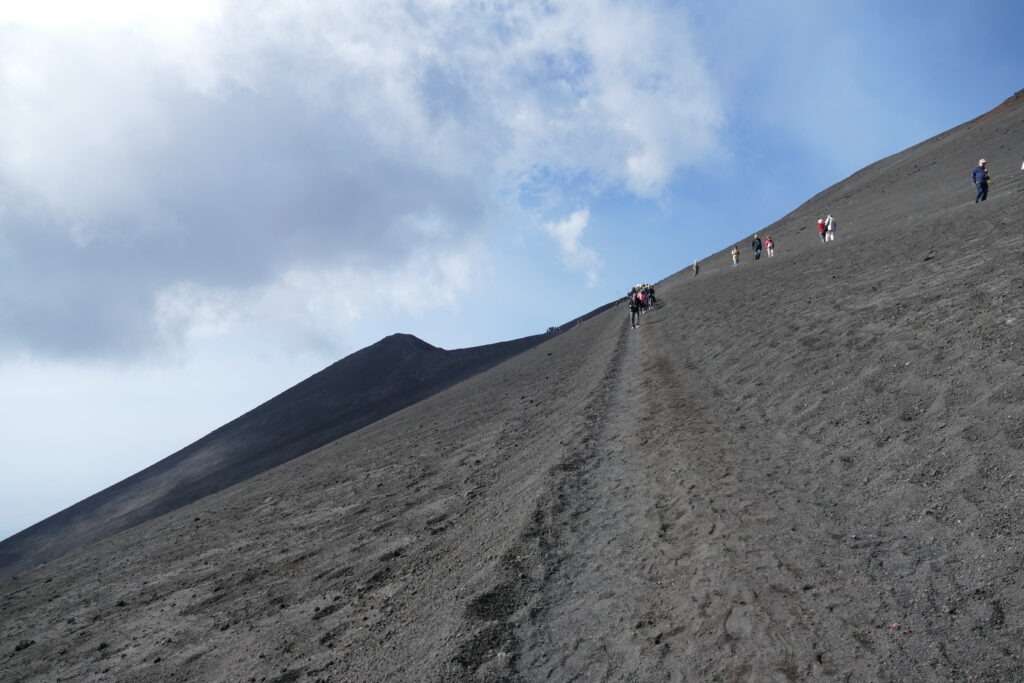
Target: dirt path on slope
point(602, 597)
point(662, 565)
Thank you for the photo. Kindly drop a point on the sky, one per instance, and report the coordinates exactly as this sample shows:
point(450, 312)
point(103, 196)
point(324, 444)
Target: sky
point(205, 202)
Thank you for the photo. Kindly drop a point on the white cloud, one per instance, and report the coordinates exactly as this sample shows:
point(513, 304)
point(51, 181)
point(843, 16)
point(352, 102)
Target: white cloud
point(567, 233)
point(215, 147)
point(306, 307)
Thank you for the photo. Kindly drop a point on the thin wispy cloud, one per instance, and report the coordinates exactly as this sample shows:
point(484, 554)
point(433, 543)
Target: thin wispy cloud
point(568, 234)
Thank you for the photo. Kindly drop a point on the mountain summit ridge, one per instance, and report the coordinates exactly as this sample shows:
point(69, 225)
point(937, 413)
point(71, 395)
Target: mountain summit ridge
point(394, 372)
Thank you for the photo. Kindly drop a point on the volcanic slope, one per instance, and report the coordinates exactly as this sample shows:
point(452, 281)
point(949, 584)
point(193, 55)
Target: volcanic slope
point(357, 390)
point(804, 468)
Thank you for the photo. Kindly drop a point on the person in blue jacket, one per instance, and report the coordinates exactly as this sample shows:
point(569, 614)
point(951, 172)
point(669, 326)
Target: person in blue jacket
point(980, 178)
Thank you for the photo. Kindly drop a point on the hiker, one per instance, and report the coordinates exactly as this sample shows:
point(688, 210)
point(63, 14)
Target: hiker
point(635, 302)
point(830, 228)
point(696, 268)
point(650, 296)
point(980, 178)
point(821, 229)
point(735, 254)
point(756, 246)
point(769, 245)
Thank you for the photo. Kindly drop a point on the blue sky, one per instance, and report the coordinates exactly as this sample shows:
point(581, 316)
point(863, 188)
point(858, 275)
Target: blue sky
point(202, 203)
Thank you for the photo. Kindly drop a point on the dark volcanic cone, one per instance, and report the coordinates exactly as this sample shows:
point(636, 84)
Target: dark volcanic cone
point(350, 394)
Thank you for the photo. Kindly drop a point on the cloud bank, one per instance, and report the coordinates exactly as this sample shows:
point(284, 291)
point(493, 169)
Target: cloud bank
point(170, 174)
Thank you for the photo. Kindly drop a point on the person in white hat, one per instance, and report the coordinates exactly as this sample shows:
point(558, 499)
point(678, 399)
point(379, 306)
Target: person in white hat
point(980, 178)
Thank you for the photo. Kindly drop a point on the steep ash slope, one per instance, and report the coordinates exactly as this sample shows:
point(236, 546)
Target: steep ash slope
point(357, 390)
point(871, 394)
point(353, 562)
point(806, 468)
point(916, 186)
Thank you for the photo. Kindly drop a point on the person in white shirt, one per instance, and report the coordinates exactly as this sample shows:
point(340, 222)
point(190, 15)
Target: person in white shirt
point(830, 228)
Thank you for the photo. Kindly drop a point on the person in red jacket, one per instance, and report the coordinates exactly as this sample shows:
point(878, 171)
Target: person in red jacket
point(769, 245)
point(821, 229)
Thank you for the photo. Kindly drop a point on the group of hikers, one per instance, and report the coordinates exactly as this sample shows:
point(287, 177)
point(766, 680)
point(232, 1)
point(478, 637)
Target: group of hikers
point(640, 299)
point(757, 246)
